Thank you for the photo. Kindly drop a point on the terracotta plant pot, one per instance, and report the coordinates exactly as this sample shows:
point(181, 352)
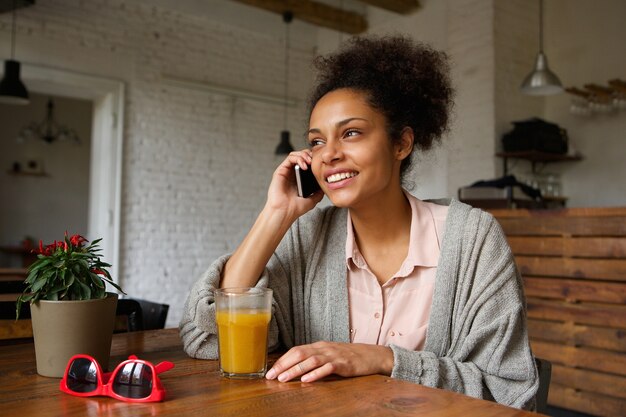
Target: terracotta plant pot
point(62, 329)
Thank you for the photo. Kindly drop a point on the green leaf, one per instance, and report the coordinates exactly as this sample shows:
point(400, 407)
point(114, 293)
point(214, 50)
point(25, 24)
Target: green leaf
point(69, 278)
point(115, 285)
point(99, 293)
point(96, 280)
point(85, 291)
point(39, 284)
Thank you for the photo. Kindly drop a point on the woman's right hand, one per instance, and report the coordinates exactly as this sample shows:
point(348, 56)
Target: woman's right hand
point(282, 194)
point(283, 207)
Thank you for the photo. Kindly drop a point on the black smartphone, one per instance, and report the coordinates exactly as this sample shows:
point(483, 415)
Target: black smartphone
point(306, 182)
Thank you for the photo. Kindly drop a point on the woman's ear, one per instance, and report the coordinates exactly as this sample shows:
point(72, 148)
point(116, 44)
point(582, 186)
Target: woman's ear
point(404, 147)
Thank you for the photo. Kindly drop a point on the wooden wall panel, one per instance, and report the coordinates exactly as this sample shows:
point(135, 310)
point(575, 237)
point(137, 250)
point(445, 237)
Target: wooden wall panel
point(575, 290)
point(586, 402)
point(613, 363)
point(575, 247)
point(609, 315)
point(581, 379)
point(573, 263)
point(578, 335)
point(558, 226)
point(582, 268)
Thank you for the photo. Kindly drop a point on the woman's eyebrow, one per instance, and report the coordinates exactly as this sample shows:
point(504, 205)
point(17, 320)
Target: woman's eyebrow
point(338, 124)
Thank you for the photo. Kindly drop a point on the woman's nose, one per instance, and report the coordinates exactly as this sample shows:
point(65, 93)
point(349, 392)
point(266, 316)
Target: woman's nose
point(332, 151)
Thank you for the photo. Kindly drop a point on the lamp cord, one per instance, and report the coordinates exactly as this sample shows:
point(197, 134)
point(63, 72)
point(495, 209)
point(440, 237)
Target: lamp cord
point(541, 26)
point(13, 30)
point(287, 19)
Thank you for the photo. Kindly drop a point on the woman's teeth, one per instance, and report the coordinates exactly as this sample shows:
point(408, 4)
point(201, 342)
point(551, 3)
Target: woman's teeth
point(341, 176)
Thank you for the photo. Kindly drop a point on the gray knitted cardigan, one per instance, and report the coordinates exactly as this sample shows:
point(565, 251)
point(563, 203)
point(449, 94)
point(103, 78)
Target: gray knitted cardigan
point(476, 341)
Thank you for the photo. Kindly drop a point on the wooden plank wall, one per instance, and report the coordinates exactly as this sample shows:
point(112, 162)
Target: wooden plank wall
point(573, 262)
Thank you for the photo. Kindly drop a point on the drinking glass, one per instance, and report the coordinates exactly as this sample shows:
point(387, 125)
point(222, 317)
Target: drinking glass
point(243, 316)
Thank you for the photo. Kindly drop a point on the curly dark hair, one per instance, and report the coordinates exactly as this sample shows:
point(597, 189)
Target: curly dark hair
point(405, 80)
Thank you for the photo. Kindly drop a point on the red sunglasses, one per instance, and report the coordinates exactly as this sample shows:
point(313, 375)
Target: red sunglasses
point(133, 380)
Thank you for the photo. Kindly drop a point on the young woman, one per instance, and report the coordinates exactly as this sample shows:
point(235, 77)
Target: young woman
point(381, 282)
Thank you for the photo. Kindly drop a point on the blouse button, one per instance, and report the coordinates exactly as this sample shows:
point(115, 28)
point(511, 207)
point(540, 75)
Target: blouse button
point(392, 333)
point(377, 315)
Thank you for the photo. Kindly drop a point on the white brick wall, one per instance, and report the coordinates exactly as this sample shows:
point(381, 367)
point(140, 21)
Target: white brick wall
point(196, 164)
point(516, 46)
point(470, 44)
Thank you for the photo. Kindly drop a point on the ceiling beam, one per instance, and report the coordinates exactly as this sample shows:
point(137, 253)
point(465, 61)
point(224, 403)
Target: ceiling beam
point(319, 14)
point(397, 6)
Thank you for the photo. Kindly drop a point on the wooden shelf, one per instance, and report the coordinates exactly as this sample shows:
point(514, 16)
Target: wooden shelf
point(28, 174)
point(536, 157)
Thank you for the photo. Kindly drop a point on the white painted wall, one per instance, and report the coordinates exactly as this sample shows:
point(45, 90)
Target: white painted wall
point(30, 202)
point(585, 44)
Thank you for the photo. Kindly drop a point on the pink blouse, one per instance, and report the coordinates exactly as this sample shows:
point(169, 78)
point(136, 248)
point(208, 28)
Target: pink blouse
point(398, 311)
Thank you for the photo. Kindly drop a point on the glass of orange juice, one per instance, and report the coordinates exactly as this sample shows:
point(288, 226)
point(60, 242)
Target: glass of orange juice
point(243, 316)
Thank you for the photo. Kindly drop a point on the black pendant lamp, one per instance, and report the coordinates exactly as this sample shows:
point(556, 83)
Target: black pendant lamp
point(541, 81)
point(12, 90)
point(284, 147)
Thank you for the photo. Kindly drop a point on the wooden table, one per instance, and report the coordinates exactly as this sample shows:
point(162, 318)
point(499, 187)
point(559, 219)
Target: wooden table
point(195, 388)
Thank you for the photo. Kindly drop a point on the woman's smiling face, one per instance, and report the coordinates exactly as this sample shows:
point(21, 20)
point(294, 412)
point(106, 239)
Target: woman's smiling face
point(354, 159)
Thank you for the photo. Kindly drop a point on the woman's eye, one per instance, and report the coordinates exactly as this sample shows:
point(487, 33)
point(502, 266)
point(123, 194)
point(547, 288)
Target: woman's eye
point(351, 132)
point(315, 142)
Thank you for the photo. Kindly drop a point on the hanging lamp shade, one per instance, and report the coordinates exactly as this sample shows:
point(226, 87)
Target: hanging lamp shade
point(12, 90)
point(284, 147)
point(541, 81)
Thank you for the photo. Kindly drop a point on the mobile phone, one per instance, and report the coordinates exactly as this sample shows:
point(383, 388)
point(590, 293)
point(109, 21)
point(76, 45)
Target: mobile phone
point(306, 182)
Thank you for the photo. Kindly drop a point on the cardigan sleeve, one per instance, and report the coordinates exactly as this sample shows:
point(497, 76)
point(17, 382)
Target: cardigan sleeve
point(283, 274)
point(198, 329)
point(487, 354)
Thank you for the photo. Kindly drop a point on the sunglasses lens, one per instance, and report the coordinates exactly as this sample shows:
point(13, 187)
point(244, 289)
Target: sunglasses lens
point(133, 380)
point(82, 376)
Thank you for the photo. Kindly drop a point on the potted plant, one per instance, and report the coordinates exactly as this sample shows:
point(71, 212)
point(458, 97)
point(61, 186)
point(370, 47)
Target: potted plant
point(71, 310)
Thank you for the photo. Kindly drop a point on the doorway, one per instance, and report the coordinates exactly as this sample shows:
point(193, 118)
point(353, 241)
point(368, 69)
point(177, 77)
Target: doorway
point(105, 167)
point(45, 186)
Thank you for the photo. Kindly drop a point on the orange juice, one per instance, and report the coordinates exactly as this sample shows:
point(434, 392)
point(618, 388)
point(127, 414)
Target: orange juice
point(242, 338)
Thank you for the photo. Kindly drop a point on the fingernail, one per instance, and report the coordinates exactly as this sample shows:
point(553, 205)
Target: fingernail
point(271, 374)
point(282, 377)
point(305, 378)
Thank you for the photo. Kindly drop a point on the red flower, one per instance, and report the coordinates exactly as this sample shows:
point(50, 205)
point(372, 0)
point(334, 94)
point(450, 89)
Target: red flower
point(77, 240)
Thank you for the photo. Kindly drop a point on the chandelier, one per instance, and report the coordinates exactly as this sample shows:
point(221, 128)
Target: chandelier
point(49, 130)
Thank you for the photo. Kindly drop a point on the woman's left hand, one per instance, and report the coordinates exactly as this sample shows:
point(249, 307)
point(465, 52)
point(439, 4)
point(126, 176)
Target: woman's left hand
point(320, 359)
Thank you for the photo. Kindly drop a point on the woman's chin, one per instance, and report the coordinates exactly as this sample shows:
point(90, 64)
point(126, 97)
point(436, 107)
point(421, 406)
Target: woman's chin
point(341, 201)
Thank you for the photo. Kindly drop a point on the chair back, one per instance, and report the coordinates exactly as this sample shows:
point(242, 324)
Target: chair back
point(136, 314)
point(129, 316)
point(154, 314)
point(544, 368)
